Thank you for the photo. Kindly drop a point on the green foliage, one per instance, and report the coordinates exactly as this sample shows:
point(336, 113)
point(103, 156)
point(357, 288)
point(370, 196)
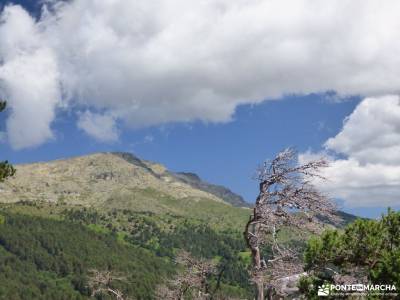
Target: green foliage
point(323, 250)
point(47, 259)
point(6, 170)
point(307, 286)
point(368, 246)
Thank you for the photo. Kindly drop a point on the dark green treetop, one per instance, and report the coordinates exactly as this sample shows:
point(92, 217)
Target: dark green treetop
point(6, 170)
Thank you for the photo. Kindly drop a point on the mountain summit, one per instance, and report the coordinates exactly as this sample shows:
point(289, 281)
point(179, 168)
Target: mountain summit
point(104, 178)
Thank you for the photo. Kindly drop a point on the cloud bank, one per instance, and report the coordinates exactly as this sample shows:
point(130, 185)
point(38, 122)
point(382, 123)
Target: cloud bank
point(370, 141)
point(29, 79)
point(158, 61)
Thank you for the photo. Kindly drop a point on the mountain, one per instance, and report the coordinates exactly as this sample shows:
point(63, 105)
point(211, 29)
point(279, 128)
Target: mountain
point(118, 180)
point(123, 181)
point(346, 217)
point(132, 209)
point(220, 191)
point(94, 179)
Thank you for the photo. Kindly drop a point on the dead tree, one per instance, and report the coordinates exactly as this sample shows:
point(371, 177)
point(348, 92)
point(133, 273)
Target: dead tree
point(286, 198)
point(101, 282)
point(192, 280)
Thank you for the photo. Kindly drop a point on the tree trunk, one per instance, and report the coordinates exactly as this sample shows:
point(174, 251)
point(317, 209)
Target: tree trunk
point(259, 280)
point(260, 290)
point(249, 233)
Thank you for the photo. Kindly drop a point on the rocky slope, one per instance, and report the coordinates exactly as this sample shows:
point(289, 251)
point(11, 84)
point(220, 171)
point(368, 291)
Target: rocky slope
point(98, 178)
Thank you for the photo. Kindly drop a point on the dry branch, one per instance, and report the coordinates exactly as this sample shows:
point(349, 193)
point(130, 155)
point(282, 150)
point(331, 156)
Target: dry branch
point(101, 282)
point(192, 280)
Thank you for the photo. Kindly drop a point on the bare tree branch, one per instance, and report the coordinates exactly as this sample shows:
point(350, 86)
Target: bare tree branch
point(286, 198)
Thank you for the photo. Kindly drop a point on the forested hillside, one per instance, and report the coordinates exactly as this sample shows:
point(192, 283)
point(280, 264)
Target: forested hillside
point(43, 258)
point(59, 245)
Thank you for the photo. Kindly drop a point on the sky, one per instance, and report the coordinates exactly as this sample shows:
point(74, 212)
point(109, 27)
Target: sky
point(211, 87)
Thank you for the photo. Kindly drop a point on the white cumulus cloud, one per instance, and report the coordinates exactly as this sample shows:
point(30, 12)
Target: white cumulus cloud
point(371, 134)
point(158, 61)
point(29, 79)
point(369, 175)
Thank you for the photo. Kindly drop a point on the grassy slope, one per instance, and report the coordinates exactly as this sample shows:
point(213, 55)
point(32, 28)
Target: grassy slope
point(217, 214)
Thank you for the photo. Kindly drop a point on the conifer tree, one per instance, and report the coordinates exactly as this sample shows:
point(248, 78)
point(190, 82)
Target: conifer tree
point(364, 252)
point(6, 170)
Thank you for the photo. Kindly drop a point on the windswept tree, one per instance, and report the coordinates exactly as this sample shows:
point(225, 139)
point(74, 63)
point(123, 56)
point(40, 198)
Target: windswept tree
point(286, 198)
point(6, 170)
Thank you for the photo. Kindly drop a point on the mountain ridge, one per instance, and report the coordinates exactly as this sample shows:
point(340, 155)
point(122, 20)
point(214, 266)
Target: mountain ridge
point(218, 190)
point(192, 179)
point(102, 169)
point(97, 173)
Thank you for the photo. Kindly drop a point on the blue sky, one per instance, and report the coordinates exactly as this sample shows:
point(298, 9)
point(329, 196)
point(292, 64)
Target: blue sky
point(191, 86)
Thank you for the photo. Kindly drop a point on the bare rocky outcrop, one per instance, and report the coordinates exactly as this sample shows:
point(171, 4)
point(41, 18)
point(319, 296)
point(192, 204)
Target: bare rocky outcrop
point(94, 179)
